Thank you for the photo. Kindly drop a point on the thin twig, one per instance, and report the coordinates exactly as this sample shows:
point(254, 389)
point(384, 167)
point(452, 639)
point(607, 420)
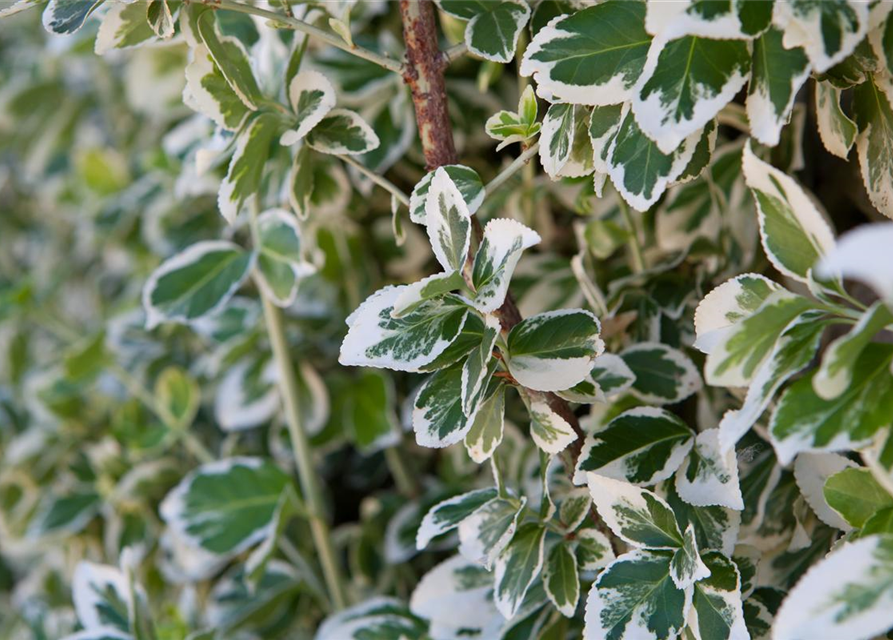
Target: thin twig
point(381, 181)
point(510, 170)
point(638, 262)
point(454, 53)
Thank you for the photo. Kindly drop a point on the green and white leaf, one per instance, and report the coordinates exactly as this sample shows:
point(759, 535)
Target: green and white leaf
point(549, 431)
point(407, 343)
point(828, 31)
point(477, 370)
point(231, 58)
point(811, 471)
point(642, 446)
point(634, 597)
point(717, 610)
point(466, 180)
point(574, 508)
point(554, 350)
point(312, 97)
point(280, 265)
point(728, 304)
point(243, 180)
point(207, 90)
point(17, 7)
point(64, 514)
point(594, 550)
point(684, 85)
point(487, 428)
point(447, 515)
point(873, 108)
point(100, 633)
point(776, 77)
point(517, 567)
point(178, 396)
point(793, 232)
point(438, 418)
point(427, 288)
point(836, 129)
point(612, 374)
point(67, 16)
point(557, 137)
point(860, 254)
point(196, 282)
point(122, 27)
point(448, 221)
point(494, 263)
point(342, 132)
point(738, 19)
point(637, 516)
point(247, 395)
point(664, 375)
point(510, 126)
point(493, 27)
point(715, 527)
point(561, 579)
point(856, 495)
point(381, 617)
point(710, 478)
point(686, 567)
point(102, 597)
point(846, 595)
point(594, 56)
point(484, 534)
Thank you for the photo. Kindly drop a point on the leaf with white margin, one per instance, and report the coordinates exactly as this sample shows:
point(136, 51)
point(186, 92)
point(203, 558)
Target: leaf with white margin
point(837, 131)
point(715, 527)
point(487, 429)
point(574, 508)
point(438, 418)
point(635, 598)
point(594, 56)
point(517, 567)
point(377, 339)
point(711, 476)
point(604, 123)
point(856, 495)
point(777, 75)
point(447, 515)
point(247, 395)
point(484, 534)
point(67, 16)
point(494, 263)
point(227, 506)
point(873, 107)
point(511, 126)
point(123, 26)
point(828, 31)
point(664, 375)
point(196, 282)
point(342, 132)
point(431, 287)
point(231, 58)
point(380, 617)
point(802, 421)
point(557, 137)
point(739, 352)
point(639, 170)
point(728, 304)
point(684, 85)
point(457, 593)
point(738, 19)
point(717, 610)
point(100, 633)
point(160, 18)
point(793, 351)
point(312, 97)
point(612, 374)
point(637, 516)
point(476, 370)
point(594, 550)
point(208, 92)
point(561, 579)
point(643, 446)
point(67, 513)
point(846, 595)
point(17, 7)
point(793, 232)
point(280, 265)
point(549, 431)
point(448, 221)
point(554, 350)
point(466, 180)
point(102, 597)
point(862, 254)
point(585, 392)
point(811, 470)
point(687, 567)
point(246, 169)
point(493, 28)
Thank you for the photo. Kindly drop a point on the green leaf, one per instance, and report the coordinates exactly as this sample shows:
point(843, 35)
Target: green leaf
point(102, 597)
point(687, 567)
point(717, 609)
point(448, 221)
point(311, 97)
point(802, 421)
point(466, 180)
point(485, 533)
point(612, 374)
point(874, 144)
point(379, 618)
point(554, 350)
point(477, 369)
point(711, 475)
point(246, 169)
point(372, 421)
point(828, 31)
point(237, 602)
point(549, 431)
point(517, 567)
point(637, 516)
point(736, 19)
point(447, 515)
point(561, 580)
point(594, 550)
point(228, 506)
point(594, 56)
point(160, 18)
point(575, 508)
point(493, 26)
point(845, 595)
point(407, 343)
point(664, 375)
point(195, 283)
point(778, 73)
point(68, 513)
point(487, 428)
point(794, 234)
point(84, 361)
point(856, 495)
point(67, 16)
point(208, 92)
point(686, 84)
point(178, 395)
point(837, 131)
point(715, 527)
point(437, 417)
point(728, 304)
point(642, 446)
point(280, 265)
point(494, 263)
point(231, 58)
point(123, 26)
point(434, 286)
point(342, 132)
point(634, 597)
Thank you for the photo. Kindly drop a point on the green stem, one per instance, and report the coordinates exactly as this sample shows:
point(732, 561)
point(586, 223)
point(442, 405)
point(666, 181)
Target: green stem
point(298, 25)
point(635, 249)
point(528, 174)
point(510, 170)
point(381, 181)
point(399, 467)
point(455, 52)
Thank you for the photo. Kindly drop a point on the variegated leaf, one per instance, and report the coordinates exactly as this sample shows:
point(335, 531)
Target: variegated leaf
point(122, 27)
point(447, 515)
point(664, 375)
point(517, 567)
point(448, 221)
point(311, 97)
point(343, 132)
point(687, 567)
point(438, 418)
point(549, 431)
point(477, 369)
point(860, 255)
point(246, 169)
point(487, 428)
point(728, 304)
point(493, 26)
point(208, 92)
point(717, 610)
point(484, 534)
point(504, 241)
point(280, 264)
point(466, 180)
point(561, 579)
point(873, 107)
point(828, 31)
point(710, 477)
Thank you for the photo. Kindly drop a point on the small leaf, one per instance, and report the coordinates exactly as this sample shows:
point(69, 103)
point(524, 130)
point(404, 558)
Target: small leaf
point(504, 240)
point(593, 549)
point(311, 97)
point(493, 27)
point(342, 132)
point(549, 431)
point(686, 567)
point(123, 26)
point(856, 495)
point(448, 221)
point(635, 515)
point(557, 138)
point(438, 418)
point(246, 169)
point(67, 16)
point(476, 371)
point(487, 429)
point(717, 610)
point(447, 515)
point(837, 131)
point(663, 375)
point(710, 478)
point(827, 31)
point(435, 286)
point(207, 90)
point(280, 265)
point(466, 180)
point(488, 530)
point(179, 396)
point(231, 58)
point(728, 304)
point(561, 580)
point(517, 567)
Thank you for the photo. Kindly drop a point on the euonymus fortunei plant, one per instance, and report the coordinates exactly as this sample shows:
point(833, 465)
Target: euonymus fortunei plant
point(497, 319)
